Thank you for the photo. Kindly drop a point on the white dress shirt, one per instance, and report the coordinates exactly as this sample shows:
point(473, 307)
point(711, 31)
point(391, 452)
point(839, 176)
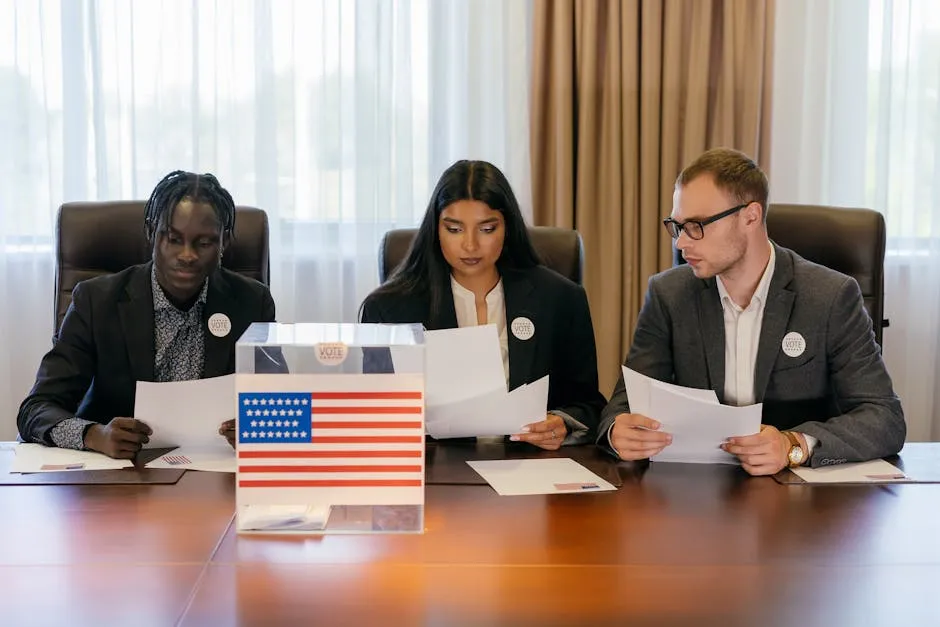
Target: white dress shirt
point(742, 337)
point(465, 306)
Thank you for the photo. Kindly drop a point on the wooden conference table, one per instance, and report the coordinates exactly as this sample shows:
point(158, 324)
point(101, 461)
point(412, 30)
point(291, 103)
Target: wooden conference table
point(676, 544)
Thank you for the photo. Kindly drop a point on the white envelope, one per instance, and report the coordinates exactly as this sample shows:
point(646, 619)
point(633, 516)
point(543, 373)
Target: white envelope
point(38, 458)
point(560, 475)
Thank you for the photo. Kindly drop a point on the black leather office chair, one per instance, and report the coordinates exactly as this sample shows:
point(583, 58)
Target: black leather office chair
point(849, 240)
point(96, 238)
point(560, 249)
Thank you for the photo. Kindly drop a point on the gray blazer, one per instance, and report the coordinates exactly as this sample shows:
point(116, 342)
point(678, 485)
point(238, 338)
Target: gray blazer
point(837, 390)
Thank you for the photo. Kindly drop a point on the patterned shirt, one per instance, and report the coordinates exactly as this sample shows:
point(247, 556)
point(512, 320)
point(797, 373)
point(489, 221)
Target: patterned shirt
point(179, 355)
point(178, 336)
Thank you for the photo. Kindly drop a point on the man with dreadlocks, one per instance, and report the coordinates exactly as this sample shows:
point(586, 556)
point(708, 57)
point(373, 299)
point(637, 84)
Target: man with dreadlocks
point(173, 319)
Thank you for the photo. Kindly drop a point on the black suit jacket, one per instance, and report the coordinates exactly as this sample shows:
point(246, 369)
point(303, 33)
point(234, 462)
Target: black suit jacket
point(106, 345)
point(563, 344)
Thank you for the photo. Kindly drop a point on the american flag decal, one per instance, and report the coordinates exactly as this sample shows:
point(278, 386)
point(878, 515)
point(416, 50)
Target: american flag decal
point(348, 436)
point(176, 460)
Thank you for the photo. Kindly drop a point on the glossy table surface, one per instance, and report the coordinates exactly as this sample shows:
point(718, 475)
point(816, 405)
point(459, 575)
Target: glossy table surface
point(676, 544)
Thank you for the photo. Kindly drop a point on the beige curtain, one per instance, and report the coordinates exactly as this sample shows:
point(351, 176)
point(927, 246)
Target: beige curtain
point(624, 94)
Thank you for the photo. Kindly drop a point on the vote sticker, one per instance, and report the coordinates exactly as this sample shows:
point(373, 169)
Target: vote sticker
point(522, 328)
point(793, 344)
point(331, 353)
point(219, 325)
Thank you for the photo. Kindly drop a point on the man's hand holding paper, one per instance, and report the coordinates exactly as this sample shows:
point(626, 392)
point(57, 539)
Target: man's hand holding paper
point(682, 424)
point(764, 453)
point(119, 439)
point(635, 436)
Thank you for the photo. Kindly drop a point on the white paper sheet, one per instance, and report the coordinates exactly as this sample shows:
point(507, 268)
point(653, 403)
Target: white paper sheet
point(638, 392)
point(472, 417)
point(219, 458)
point(462, 364)
point(186, 413)
point(558, 475)
point(875, 471)
point(39, 458)
point(496, 413)
point(407, 360)
point(699, 427)
point(529, 402)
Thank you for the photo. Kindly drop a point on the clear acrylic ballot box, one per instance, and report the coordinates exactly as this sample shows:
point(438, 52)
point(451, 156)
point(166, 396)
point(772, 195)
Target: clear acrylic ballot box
point(330, 422)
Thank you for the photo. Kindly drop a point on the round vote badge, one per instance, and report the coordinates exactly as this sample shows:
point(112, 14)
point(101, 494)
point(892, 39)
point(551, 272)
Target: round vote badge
point(219, 325)
point(523, 328)
point(793, 344)
point(331, 353)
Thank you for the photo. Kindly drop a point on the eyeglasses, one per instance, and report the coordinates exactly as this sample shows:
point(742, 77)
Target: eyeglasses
point(695, 229)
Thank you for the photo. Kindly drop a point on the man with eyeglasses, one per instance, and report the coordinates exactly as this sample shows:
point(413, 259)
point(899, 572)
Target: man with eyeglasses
point(756, 323)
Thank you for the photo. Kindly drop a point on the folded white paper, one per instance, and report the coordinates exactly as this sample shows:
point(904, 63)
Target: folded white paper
point(638, 392)
point(496, 413)
point(465, 386)
point(696, 420)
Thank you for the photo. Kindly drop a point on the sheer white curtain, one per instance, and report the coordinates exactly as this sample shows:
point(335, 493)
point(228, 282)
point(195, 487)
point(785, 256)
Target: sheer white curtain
point(855, 123)
point(335, 116)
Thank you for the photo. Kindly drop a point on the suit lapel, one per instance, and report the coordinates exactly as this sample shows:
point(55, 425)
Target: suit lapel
point(774, 324)
point(446, 318)
point(218, 350)
point(517, 293)
point(712, 324)
point(136, 314)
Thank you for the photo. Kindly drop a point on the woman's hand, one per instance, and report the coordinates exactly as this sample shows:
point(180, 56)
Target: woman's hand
point(547, 434)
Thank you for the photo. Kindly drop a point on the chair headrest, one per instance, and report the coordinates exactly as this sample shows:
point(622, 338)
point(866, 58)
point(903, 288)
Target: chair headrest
point(848, 240)
point(96, 238)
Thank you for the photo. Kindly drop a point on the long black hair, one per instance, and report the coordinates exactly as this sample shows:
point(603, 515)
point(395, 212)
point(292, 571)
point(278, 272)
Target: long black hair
point(424, 271)
point(199, 188)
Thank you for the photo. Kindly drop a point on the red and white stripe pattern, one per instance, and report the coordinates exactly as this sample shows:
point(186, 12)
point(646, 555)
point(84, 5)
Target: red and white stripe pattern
point(365, 444)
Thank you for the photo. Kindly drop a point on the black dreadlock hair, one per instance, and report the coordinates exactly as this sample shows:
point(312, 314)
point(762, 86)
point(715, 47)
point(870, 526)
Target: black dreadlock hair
point(200, 188)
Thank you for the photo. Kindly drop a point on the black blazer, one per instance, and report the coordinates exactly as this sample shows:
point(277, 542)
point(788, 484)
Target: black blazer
point(563, 344)
point(106, 345)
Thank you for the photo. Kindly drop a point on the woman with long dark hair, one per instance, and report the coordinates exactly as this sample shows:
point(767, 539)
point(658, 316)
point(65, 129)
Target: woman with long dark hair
point(471, 263)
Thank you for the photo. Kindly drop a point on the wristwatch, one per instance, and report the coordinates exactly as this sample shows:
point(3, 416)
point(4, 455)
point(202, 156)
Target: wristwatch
point(795, 454)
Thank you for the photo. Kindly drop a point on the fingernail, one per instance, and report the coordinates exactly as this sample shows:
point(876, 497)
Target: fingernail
point(656, 425)
point(514, 438)
point(524, 430)
point(669, 439)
